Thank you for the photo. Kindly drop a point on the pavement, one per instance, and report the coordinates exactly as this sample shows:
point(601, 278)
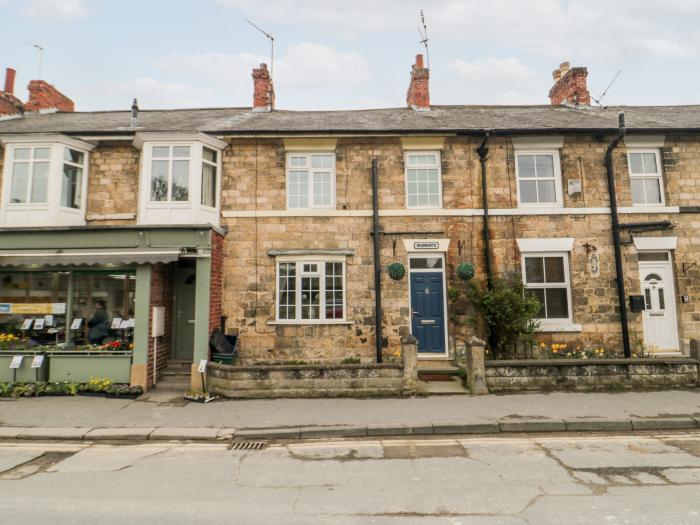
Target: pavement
point(461, 480)
point(165, 416)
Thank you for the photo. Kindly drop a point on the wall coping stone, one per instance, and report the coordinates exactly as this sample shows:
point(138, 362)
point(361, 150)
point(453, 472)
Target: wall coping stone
point(591, 362)
point(329, 366)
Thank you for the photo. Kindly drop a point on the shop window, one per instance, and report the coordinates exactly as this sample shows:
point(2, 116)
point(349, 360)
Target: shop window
point(423, 180)
point(539, 178)
point(310, 291)
point(645, 177)
point(546, 277)
point(34, 305)
point(310, 180)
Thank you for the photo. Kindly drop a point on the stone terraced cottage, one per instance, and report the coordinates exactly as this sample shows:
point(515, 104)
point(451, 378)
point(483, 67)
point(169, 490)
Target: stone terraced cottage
point(177, 218)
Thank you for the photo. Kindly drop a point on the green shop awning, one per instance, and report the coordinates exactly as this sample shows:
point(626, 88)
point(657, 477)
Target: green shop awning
point(87, 257)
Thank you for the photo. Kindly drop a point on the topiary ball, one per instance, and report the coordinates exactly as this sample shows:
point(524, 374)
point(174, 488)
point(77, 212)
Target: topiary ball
point(465, 271)
point(397, 271)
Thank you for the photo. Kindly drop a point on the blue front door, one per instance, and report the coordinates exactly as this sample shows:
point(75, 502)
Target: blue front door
point(428, 311)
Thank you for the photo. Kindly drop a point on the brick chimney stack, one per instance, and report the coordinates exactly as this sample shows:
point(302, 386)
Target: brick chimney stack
point(263, 91)
point(9, 103)
point(44, 97)
point(570, 86)
point(418, 95)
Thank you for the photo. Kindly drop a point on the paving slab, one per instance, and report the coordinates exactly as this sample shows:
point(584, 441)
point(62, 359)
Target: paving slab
point(269, 433)
point(53, 433)
point(532, 425)
point(226, 433)
point(119, 433)
point(486, 427)
point(597, 424)
point(401, 430)
point(664, 423)
point(328, 432)
point(184, 433)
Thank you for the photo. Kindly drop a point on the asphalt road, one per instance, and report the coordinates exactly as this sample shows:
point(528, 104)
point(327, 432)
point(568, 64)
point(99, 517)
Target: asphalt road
point(555, 479)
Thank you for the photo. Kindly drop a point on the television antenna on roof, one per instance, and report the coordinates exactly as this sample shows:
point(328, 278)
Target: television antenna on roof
point(272, 44)
point(424, 37)
point(39, 48)
point(605, 91)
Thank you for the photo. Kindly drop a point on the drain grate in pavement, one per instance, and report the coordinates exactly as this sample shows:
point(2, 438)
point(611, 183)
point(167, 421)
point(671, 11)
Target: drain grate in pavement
point(248, 445)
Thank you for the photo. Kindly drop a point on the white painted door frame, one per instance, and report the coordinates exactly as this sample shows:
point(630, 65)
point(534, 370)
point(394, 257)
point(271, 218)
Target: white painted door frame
point(659, 319)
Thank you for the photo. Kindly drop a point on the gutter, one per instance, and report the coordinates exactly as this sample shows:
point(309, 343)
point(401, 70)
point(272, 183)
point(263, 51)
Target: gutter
point(377, 263)
point(620, 278)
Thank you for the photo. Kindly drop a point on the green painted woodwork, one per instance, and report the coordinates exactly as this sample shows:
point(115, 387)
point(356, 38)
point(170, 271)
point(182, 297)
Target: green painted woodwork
point(201, 309)
point(142, 306)
point(25, 374)
point(80, 368)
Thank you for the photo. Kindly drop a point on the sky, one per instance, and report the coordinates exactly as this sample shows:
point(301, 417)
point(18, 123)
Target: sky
point(351, 54)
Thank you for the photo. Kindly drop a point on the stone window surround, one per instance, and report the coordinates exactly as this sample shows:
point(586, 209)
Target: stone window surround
point(192, 209)
point(311, 256)
point(54, 213)
point(438, 166)
point(559, 246)
point(540, 145)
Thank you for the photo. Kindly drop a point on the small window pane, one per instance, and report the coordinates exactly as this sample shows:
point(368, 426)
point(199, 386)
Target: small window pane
point(544, 165)
point(526, 166)
point(181, 176)
point(652, 191)
point(554, 269)
point(181, 151)
point(40, 182)
point(425, 263)
point(209, 155)
point(20, 182)
point(21, 154)
point(297, 162)
point(42, 153)
point(638, 191)
point(322, 161)
point(546, 191)
point(322, 189)
point(310, 298)
point(298, 191)
point(161, 151)
point(534, 270)
point(647, 299)
point(653, 256)
point(287, 297)
point(662, 301)
point(528, 191)
point(649, 162)
point(70, 188)
point(159, 180)
point(557, 303)
point(636, 163)
point(538, 293)
point(71, 155)
point(208, 185)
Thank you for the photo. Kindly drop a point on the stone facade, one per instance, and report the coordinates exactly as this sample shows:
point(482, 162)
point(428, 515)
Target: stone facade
point(113, 184)
point(255, 180)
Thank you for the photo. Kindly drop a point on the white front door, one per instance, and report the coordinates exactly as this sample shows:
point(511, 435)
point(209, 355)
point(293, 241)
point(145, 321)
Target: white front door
point(659, 315)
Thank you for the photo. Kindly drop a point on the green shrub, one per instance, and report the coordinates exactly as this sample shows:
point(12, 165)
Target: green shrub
point(354, 360)
point(509, 313)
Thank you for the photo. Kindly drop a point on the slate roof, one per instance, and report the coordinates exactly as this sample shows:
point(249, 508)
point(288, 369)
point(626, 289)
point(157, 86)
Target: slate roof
point(466, 119)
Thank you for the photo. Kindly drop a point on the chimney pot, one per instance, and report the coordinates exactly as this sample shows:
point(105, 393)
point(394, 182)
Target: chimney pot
point(10, 80)
point(418, 95)
point(556, 74)
point(564, 66)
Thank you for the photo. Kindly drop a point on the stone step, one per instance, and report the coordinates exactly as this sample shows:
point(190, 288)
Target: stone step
point(176, 372)
point(452, 387)
point(438, 374)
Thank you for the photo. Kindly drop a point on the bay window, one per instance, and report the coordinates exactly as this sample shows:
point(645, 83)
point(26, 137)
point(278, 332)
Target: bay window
point(43, 181)
point(310, 291)
point(180, 181)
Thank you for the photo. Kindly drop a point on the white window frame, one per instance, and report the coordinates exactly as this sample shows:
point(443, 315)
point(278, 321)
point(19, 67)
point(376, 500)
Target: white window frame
point(81, 189)
point(300, 261)
point(437, 166)
point(51, 212)
point(547, 322)
point(310, 182)
point(659, 176)
point(170, 159)
point(558, 193)
point(217, 177)
point(191, 211)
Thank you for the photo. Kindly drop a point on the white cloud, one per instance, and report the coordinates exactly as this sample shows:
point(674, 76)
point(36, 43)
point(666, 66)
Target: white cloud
point(64, 10)
point(490, 81)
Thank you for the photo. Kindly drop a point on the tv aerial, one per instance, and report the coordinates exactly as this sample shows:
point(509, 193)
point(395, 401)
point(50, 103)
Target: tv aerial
point(272, 44)
point(424, 37)
point(38, 47)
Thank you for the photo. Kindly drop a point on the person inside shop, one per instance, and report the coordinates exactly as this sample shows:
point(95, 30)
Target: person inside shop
point(98, 323)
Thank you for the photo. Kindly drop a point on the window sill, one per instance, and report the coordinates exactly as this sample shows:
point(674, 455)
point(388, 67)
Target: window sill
point(309, 323)
point(564, 327)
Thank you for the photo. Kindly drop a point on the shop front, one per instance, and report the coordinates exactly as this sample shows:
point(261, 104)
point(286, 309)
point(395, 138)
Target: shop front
point(106, 302)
